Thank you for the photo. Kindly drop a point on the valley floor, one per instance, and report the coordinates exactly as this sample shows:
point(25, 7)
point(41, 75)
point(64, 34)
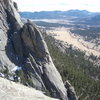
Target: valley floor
point(63, 34)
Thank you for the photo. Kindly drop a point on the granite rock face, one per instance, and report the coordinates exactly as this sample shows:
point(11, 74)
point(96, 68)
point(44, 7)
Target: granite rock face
point(24, 56)
point(39, 63)
point(9, 23)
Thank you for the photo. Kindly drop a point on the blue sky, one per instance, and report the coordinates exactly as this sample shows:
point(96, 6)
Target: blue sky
point(49, 5)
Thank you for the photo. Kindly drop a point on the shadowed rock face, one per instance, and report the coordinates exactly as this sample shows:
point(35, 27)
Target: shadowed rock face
point(9, 23)
point(70, 91)
point(24, 56)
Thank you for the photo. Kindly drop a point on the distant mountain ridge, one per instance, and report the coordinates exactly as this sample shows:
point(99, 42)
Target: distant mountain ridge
point(58, 14)
point(94, 20)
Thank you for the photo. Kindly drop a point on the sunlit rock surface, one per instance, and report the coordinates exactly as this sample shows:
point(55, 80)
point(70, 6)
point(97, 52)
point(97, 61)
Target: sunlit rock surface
point(14, 91)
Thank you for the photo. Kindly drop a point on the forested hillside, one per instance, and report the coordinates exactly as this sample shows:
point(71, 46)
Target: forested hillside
point(76, 67)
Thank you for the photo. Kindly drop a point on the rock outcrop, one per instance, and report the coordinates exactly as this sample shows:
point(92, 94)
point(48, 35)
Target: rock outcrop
point(41, 64)
point(24, 56)
point(71, 92)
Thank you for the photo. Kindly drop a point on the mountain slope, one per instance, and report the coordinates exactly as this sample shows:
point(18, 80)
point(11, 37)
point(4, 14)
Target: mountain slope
point(76, 67)
point(24, 56)
point(94, 20)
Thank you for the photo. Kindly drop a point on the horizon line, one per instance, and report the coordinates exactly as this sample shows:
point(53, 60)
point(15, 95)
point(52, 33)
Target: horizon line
point(61, 10)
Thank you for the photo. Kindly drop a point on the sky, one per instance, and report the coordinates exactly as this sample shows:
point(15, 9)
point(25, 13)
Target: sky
point(63, 5)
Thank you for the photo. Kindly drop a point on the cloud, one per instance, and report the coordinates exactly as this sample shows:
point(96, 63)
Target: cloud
point(47, 5)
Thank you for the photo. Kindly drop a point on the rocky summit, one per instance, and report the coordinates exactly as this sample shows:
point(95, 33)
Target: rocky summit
point(25, 59)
